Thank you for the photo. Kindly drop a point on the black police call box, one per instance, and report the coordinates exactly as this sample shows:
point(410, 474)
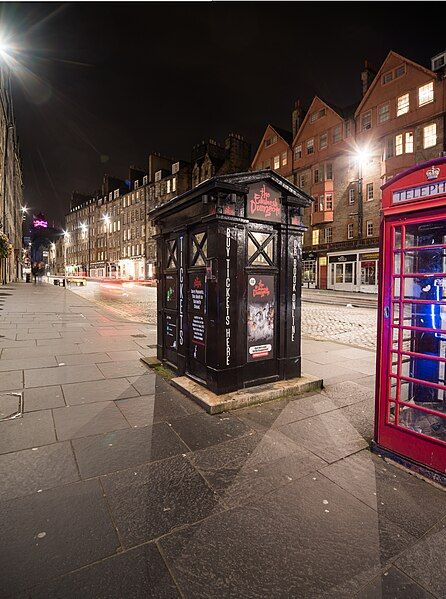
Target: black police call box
point(229, 280)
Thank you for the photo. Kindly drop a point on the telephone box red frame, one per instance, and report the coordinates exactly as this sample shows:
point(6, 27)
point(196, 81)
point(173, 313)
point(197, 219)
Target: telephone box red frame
point(416, 196)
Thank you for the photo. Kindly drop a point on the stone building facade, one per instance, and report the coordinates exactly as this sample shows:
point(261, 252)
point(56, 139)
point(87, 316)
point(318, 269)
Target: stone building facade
point(108, 233)
point(11, 182)
point(342, 157)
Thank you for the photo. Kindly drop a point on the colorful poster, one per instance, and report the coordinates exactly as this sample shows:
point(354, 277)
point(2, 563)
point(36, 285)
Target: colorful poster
point(197, 299)
point(263, 203)
point(171, 292)
point(261, 317)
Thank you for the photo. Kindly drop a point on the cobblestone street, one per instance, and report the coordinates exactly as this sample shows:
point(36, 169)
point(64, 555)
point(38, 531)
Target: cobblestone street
point(327, 322)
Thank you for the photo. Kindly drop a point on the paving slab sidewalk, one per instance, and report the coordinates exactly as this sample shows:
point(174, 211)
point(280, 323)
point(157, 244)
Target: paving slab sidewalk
point(115, 485)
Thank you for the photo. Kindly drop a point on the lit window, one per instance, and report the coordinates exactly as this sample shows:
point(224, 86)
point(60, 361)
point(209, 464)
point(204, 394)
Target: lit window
point(284, 158)
point(402, 105)
point(400, 71)
point(347, 128)
point(315, 237)
point(310, 146)
point(350, 231)
point(328, 234)
point(329, 171)
point(383, 113)
point(174, 184)
point(329, 201)
point(277, 161)
point(323, 141)
point(369, 228)
point(337, 135)
point(351, 195)
point(409, 142)
point(366, 120)
point(430, 136)
point(321, 203)
point(168, 185)
point(298, 152)
point(369, 191)
point(387, 77)
point(426, 94)
point(398, 145)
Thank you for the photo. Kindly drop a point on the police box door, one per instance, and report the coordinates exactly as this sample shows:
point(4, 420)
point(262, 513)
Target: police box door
point(197, 303)
point(261, 275)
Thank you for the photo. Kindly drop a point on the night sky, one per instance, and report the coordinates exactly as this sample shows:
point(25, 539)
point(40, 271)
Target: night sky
point(107, 83)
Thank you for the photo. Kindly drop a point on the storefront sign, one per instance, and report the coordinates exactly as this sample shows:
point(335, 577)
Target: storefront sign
point(343, 258)
point(419, 192)
point(369, 256)
point(295, 257)
point(263, 203)
point(261, 317)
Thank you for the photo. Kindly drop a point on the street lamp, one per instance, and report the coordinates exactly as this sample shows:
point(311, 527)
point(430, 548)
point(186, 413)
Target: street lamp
point(66, 239)
point(362, 156)
point(85, 229)
point(107, 223)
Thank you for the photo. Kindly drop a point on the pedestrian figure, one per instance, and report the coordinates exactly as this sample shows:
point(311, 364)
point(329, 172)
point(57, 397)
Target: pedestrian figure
point(34, 271)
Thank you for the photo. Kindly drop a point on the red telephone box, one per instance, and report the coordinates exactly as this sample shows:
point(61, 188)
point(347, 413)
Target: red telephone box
point(410, 421)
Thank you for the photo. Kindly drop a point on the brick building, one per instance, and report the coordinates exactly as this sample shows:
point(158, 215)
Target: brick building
point(211, 158)
point(275, 151)
point(342, 156)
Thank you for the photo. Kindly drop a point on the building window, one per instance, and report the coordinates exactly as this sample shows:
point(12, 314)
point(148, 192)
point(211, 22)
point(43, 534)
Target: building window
point(329, 201)
point(270, 141)
point(328, 234)
point(350, 231)
point(315, 204)
point(315, 237)
point(302, 181)
point(400, 71)
point(426, 94)
point(168, 186)
point(310, 146)
point(323, 141)
point(398, 145)
point(321, 203)
point(328, 171)
point(351, 195)
point(174, 184)
point(366, 121)
point(277, 161)
point(298, 152)
point(402, 105)
point(317, 115)
point(369, 228)
point(347, 128)
point(387, 77)
point(337, 136)
point(116, 193)
point(430, 136)
point(383, 113)
point(316, 175)
point(409, 142)
point(389, 148)
point(284, 158)
point(369, 191)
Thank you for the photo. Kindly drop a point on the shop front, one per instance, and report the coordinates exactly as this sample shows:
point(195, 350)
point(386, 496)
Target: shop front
point(353, 271)
point(132, 269)
point(309, 270)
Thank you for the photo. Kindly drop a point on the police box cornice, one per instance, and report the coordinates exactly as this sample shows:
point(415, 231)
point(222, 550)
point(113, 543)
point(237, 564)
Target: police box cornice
point(238, 184)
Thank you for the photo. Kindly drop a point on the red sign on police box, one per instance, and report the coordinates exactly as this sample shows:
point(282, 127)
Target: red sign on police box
point(263, 203)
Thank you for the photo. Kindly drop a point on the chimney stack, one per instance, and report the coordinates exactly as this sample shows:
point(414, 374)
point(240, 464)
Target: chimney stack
point(367, 75)
point(296, 117)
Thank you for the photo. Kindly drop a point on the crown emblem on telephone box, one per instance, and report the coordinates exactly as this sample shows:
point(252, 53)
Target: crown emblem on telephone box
point(433, 172)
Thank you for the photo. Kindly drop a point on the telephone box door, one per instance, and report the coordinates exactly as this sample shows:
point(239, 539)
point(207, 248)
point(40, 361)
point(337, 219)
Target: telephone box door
point(412, 384)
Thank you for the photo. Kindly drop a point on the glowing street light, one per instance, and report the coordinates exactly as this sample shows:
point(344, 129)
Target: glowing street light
point(24, 209)
point(362, 156)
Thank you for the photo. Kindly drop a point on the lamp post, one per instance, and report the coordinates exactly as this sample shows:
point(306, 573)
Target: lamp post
point(85, 229)
point(107, 223)
point(66, 238)
point(362, 157)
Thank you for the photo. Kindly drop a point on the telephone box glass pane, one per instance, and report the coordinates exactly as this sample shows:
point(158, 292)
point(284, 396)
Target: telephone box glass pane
point(425, 234)
point(432, 425)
